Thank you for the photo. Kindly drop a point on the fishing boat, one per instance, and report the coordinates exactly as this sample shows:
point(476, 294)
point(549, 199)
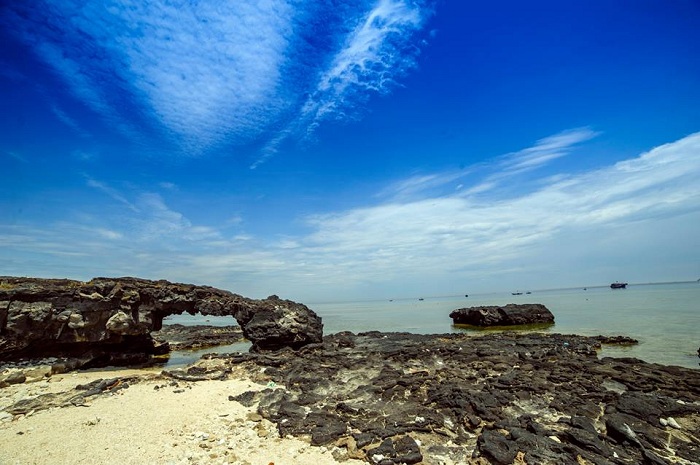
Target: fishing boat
point(617, 285)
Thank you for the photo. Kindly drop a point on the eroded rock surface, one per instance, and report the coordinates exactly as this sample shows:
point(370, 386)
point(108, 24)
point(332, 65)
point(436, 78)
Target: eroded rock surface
point(498, 399)
point(508, 315)
point(113, 317)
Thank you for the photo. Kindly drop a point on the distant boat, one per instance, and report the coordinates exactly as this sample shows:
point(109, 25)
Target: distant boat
point(528, 292)
point(516, 293)
point(617, 285)
point(421, 298)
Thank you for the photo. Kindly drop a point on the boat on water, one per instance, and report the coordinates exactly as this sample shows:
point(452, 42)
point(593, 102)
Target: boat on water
point(617, 285)
point(516, 293)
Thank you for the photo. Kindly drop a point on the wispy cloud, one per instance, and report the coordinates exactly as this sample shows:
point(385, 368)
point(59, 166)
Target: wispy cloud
point(17, 156)
point(112, 193)
point(70, 122)
point(421, 184)
point(368, 60)
point(491, 174)
point(545, 150)
point(212, 75)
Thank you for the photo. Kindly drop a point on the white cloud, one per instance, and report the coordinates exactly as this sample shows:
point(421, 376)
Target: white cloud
point(639, 217)
point(507, 166)
point(208, 73)
point(364, 59)
point(570, 231)
point(546, 150)
point(369, 59)
point(111, 192)
point(441, 235)
point(82, 83)
point(421, 184)
point(212, 75)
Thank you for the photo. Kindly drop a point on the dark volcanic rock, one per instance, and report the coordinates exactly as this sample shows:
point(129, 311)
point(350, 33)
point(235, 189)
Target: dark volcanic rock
point(503, 398)
point(509, 315)
point(113, 318)
point(274, 323)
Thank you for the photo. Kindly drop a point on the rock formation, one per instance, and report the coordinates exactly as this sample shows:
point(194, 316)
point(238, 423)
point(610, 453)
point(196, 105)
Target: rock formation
point(505, 398)
point(114, 316)
point(509, 315)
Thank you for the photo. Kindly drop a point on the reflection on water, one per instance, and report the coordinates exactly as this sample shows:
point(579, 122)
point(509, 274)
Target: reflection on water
point(531, 328)
point(178, 358)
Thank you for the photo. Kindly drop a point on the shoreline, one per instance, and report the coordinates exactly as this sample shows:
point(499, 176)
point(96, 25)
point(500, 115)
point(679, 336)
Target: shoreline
point(369, 398)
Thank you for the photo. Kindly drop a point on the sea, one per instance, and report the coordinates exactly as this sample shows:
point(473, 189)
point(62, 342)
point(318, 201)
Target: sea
point(663, 317)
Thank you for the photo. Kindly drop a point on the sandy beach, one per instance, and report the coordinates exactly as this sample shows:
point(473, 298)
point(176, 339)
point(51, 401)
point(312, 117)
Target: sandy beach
point(156, 420)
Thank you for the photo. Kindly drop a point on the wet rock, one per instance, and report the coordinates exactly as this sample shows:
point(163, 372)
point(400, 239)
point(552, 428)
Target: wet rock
point(108, 316)
point(508, 315)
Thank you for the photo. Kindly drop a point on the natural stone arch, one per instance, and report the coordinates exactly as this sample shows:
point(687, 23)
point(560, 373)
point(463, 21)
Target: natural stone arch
point(40, 317)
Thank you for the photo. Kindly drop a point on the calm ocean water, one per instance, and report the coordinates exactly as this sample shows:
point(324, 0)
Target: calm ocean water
point(665, 318)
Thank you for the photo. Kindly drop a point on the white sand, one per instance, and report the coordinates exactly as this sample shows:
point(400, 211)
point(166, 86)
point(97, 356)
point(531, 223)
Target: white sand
point(142, 425)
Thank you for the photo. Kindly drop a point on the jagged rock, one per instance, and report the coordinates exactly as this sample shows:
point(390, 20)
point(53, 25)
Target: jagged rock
point(278, 323)
point(545, 398)
point(497, 447)
point(509, 315)
point(113, 317)
point(399, 451)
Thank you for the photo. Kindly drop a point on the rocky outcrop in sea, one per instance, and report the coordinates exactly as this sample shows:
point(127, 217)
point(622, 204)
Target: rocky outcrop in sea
point(507, 315)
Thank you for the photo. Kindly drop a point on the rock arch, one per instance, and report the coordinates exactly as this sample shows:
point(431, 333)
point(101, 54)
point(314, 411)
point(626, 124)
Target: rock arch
point(52, 317)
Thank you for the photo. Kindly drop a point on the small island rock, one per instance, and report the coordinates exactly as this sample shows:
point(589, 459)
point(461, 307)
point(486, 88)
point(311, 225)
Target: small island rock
point(509, 315)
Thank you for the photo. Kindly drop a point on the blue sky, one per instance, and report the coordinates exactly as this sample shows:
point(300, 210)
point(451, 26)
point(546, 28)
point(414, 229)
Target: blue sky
point(351, 150)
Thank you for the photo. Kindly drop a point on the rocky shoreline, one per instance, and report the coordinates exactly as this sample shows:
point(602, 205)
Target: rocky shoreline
point(499, 399)
point(382, 398)
point(391, 398)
